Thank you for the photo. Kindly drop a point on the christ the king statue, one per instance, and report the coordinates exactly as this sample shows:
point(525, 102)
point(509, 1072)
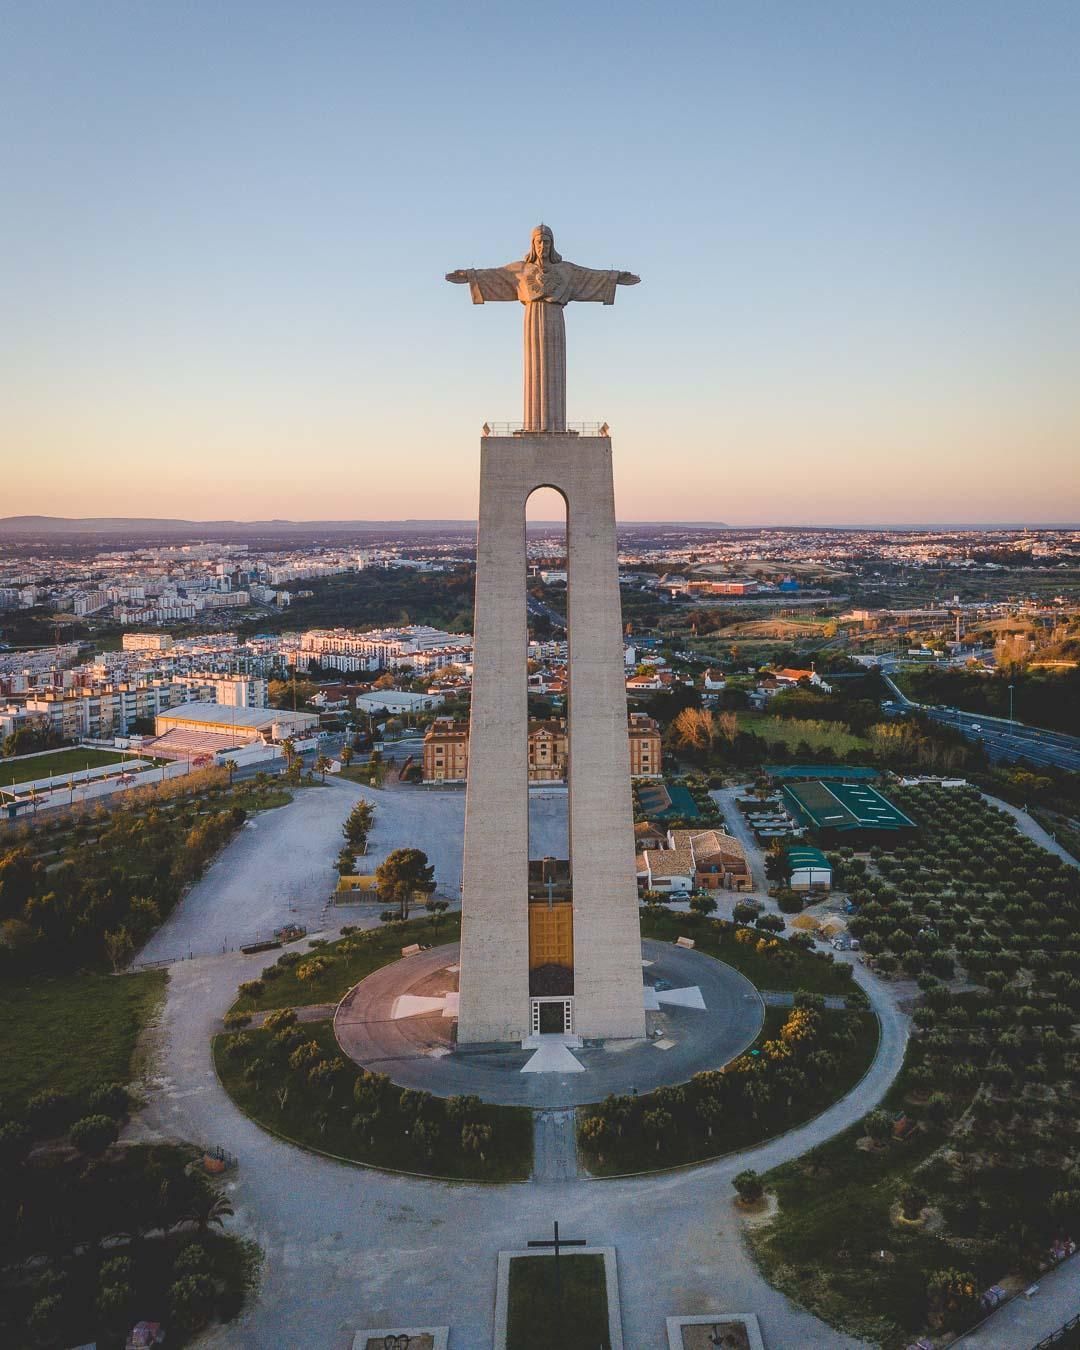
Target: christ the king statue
point(545, 285)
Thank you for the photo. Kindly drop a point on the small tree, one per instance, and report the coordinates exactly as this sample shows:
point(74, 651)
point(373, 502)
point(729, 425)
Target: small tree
point(748, 1185)
point(703, 905)
point(878, 1126)
point(436, 909)
point(404, 873)
point(657, 1125)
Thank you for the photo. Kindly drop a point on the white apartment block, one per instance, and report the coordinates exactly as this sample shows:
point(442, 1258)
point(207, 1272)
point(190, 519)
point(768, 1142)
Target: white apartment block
point(389, 648)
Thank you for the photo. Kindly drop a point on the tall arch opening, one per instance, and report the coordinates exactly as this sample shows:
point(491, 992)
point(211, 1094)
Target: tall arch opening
point(551, 911)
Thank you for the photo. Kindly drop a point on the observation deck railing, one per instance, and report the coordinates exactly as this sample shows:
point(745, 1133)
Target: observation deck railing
point(572, 429)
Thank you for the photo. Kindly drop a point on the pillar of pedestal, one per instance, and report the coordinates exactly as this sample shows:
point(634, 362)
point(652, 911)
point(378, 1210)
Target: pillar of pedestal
point(494, 976)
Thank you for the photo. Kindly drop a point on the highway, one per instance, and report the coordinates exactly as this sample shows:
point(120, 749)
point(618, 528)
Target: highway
point(1003, 740)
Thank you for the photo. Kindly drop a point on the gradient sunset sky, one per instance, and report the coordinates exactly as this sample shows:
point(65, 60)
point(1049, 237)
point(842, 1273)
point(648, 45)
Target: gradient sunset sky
point(224, 229)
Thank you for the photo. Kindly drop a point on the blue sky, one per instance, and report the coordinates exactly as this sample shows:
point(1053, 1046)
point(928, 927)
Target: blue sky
point(224, 229)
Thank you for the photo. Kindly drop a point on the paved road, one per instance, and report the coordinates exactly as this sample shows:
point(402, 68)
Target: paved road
point(1024, 1322)
point(347, 1247)
point(555, 1155)
point(1006, 740)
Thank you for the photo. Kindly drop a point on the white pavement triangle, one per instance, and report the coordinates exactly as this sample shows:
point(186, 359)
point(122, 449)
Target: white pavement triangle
point(690, 997)
point(551, 1055)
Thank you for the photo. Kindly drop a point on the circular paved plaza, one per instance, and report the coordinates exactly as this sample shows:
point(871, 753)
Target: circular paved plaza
point(399, 1022)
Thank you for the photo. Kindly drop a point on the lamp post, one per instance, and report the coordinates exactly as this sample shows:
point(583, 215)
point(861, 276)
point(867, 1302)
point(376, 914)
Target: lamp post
point(1011, 687)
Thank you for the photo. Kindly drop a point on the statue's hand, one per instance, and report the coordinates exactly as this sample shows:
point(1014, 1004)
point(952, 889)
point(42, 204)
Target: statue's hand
point(458, 278)
point(626, 279)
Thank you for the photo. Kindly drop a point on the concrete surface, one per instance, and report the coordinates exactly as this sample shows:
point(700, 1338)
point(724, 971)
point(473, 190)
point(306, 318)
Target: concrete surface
point(279, 869)
point(494, 981)
point(348, 1247)
point(368, 1032)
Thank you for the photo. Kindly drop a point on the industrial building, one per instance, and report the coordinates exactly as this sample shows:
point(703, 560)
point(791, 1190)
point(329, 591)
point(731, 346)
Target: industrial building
point(204, 729)
point(844, 810)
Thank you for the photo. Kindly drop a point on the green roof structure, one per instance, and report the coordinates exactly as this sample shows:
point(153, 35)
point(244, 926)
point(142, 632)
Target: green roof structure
point(845, 773)
point(805, 855)
point(843, 807)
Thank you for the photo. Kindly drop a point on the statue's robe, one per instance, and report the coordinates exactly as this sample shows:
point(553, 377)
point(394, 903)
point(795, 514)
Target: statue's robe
point(544, 291)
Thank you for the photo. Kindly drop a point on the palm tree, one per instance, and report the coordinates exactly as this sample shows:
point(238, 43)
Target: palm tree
point(322, 765)
point(232, 766)
point(208, 1207)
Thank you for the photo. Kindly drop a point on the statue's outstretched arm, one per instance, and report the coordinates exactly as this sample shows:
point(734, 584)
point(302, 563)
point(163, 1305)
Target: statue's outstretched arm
point(623, 279)
point(459, 278)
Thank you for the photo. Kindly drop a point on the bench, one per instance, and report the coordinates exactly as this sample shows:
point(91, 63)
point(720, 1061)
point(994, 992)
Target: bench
point(412, 949)
point(685, 942)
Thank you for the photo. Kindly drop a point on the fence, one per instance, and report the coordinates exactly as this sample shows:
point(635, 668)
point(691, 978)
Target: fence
point(1065, 1338)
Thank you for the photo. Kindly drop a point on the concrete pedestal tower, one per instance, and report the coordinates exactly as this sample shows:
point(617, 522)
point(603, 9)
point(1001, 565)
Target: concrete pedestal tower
point(594, 937)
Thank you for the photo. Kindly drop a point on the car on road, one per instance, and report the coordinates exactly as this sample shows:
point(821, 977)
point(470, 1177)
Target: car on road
point(976, 727)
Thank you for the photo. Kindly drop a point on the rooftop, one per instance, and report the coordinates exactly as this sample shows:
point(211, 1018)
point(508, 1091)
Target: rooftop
point(844, 806)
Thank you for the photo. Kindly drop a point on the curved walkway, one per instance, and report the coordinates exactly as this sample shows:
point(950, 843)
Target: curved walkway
point(347, 1247)
point(1032, 830)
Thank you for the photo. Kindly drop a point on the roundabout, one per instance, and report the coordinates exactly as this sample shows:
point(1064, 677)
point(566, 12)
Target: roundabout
point(399, 1021)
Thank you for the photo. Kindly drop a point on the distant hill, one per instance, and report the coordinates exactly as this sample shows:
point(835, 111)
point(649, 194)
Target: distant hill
point(150, 525)
point(39, 525)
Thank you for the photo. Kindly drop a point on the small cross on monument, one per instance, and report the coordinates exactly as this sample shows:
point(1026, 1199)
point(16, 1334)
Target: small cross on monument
point(557, 1243)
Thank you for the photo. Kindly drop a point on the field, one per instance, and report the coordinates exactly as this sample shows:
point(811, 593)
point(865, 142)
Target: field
point(531, 1320)
point(96, 1019)
point(990, 1083)
point(52, 762)
point(792, 731)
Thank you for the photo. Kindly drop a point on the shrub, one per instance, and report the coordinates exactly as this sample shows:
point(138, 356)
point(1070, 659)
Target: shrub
point(49, 1113)
point(14, 1143)
point(191, 1299)
point(748, 1185)
point(878, 1126)
point(287, 959)
point(280, 1017)
point(116, 1271)
point(193, 1260)
point(769, 923)
point(109, 1099)
point(251, 989)
point(93, 1134)
point(236, 1017)
point(311, 970)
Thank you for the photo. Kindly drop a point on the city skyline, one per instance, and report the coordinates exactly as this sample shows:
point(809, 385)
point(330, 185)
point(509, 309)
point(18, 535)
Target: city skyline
point(225, 237)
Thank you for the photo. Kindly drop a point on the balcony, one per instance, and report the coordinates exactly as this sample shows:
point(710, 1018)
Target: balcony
point(572, 429)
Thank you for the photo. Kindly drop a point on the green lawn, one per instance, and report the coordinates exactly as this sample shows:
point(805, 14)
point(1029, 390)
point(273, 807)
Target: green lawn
point(52, 762)
point(532, 1320)
point(792, 731)
point(315, 1119)
point(351, 959)
point(70, 1034)
point(785, 967)
point(834, 1216)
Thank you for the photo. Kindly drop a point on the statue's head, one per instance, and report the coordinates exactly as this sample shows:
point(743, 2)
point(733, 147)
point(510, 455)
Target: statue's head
point(542, 248)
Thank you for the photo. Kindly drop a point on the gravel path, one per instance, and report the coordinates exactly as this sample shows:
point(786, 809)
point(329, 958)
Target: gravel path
point(1033, 830)
point(347, 1247)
